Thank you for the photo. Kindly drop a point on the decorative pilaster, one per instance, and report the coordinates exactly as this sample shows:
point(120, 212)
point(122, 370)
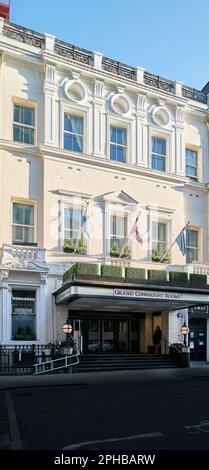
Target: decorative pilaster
point(106, 230)
point(49, 92)
point(5, 309)
point(41, 299)
point(140, 131)
point(98, 104)
point(180, 154)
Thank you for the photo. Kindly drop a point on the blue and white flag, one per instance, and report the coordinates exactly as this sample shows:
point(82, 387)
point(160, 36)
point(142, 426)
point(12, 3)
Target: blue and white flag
point(181, 242)
point(84, 223)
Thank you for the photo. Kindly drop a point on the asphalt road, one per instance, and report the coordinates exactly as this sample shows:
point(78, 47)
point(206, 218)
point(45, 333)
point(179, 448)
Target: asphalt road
point(168, 415)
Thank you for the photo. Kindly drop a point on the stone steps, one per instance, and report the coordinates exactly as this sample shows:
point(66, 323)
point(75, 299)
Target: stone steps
point(91, 363)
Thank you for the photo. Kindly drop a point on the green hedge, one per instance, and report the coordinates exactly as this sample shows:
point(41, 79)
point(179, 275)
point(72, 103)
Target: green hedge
point(198, 280)
point(65, 276)
point(178, 278)
point(87, 268)
point(111, 271)
point(156, 275)
point(135, 273)
point(82, 268)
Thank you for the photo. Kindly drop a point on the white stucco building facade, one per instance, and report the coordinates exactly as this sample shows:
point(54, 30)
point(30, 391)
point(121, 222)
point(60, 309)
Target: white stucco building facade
point(82, 134)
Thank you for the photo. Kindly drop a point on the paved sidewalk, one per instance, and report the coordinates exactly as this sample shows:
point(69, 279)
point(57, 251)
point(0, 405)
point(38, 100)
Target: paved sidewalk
point(94, 378)
point(5, 441)
point(199, 364)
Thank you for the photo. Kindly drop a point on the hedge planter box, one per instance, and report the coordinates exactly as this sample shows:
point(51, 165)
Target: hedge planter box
point(178, 279)
point(198, 280)
point(82, 269)
point(111, 271)
point(157, 277)
point(135, 275)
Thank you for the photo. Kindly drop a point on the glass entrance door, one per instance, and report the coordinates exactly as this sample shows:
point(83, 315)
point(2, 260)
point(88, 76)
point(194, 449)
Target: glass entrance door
point(93, 333)
point(122, 345)
point(107, 336)
point(134, 333)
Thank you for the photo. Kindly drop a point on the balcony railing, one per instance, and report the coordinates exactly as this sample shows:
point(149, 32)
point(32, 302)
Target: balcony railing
point(197, 269)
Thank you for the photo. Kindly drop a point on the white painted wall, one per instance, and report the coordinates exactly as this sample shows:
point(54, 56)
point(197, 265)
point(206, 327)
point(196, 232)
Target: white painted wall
point(38, 172)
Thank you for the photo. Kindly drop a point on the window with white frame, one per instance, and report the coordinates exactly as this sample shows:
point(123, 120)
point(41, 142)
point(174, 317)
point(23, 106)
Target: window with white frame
point(159, 238)
point(158, 153)
point(118, 144)
point(24, 124)
point(192, 245)
point(23, 226)
point(72, 223)
point(191, 163)
point(23, 315)
point(73, 133)
point(118, 232)
point(74, 229)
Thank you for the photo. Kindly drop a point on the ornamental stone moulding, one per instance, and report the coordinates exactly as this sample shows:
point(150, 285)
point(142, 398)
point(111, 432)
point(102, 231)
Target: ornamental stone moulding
point(120, 103)
point(180, 114)
point(161, 116)
point(75, 90)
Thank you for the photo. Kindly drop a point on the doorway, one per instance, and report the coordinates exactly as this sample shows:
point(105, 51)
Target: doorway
point(109, 335)
point(197, 339)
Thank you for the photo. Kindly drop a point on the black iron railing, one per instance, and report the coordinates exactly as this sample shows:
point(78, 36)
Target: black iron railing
point(156, 81)
point(19, 360)
point(118, 68)
point(27, 36)
point(194, 94)
point(69, 51)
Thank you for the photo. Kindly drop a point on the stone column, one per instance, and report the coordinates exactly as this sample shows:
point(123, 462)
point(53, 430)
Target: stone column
point(5, 309)
point(41, 299)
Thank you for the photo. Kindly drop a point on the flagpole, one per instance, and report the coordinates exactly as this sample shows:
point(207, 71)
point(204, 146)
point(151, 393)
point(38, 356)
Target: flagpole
point(166, 252)
point(127, 238)
point(80, 229)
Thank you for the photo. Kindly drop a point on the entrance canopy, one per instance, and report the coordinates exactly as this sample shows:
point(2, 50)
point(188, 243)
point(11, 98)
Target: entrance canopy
point(104, 296)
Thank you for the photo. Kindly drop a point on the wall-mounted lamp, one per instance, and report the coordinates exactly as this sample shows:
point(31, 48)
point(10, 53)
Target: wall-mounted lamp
point(179, 315)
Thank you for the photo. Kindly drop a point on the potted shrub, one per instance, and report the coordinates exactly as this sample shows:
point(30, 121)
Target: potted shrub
point(81, 247)
point(114, 250)
point(156, 256)
point(69, 246)
point(126, 253)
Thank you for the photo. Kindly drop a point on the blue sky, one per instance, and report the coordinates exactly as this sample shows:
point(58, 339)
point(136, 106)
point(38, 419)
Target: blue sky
point(166, 37)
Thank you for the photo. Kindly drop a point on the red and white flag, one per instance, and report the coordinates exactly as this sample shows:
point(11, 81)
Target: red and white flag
point(135, 232)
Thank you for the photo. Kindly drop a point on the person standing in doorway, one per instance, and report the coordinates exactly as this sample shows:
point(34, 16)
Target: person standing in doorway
point(157, 336)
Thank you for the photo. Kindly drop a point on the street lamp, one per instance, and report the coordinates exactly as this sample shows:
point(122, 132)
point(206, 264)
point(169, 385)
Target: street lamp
point(67, 329)
point(185, 331)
